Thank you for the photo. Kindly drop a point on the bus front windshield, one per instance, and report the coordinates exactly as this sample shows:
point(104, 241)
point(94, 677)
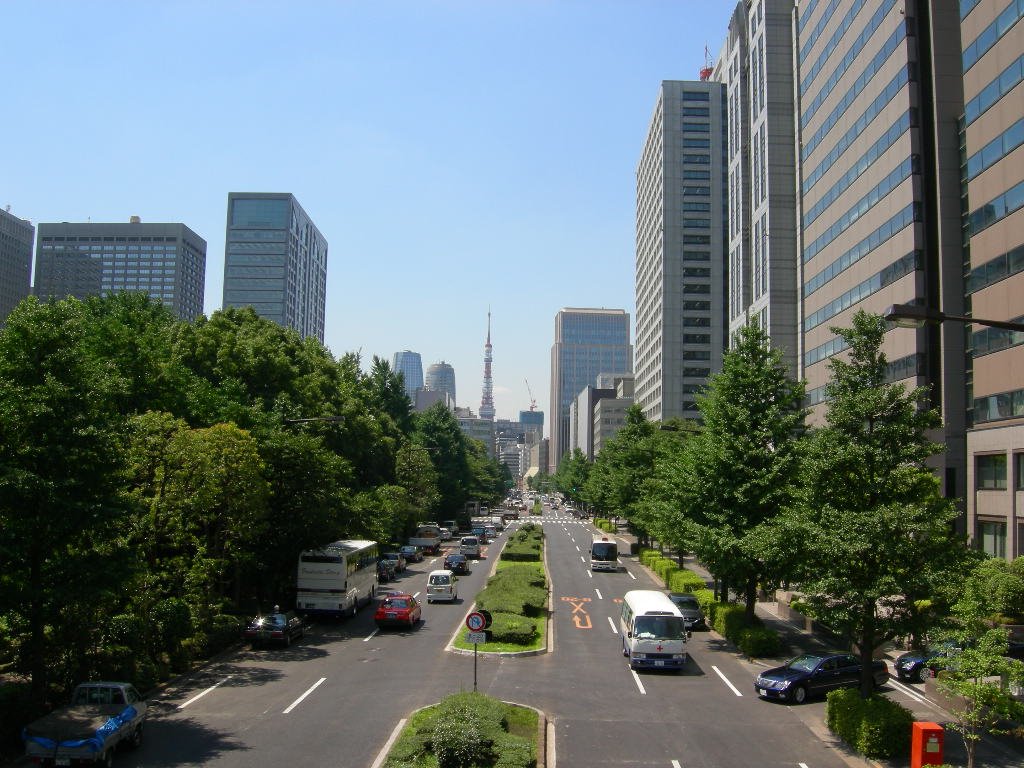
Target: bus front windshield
point(659, 627)
point(605, 551)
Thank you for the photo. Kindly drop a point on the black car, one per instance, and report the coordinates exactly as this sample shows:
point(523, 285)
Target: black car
point(280, 628)
point(815, 673)
point(917, 665)
point(456, 563)
point(385, 570)
point(690, 608)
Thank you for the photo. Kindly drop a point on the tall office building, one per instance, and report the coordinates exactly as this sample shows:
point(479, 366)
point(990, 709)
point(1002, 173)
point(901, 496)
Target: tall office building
point(587, 342)
point(410, 365)
point(879, 97)
point(756, 65)
point(165, 261)
point(533, 421)
point(441, 378)
point(992, 182)
point(275, 261)
point(681, 245)
point(16, 236)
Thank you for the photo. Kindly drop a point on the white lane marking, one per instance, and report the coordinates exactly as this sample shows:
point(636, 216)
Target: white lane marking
point(198, 696)
point(907, 690)
point(578, 548)
point(638, 683)
point(612, 623)
point(298, 701)
point(416, 595)
point(802, 765)
point(677, 764)
point(726, 680)
point(590, 574)
point(382, 756)
point(371, 634)
point(631, 575)
point(581, 559)
point(598, 593)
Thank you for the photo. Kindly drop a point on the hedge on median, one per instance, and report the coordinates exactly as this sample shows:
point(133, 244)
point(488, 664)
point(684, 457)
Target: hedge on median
point(875, 727)
point(468, 729)
point(750, 636)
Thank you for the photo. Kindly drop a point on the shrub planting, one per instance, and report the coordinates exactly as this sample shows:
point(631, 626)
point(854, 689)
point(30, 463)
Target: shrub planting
point(686, 581)
point(875, 727)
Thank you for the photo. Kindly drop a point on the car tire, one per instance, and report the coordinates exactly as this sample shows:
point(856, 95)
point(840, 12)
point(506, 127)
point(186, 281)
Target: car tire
point(799, 695)
point(136, 740)
point(287, 640)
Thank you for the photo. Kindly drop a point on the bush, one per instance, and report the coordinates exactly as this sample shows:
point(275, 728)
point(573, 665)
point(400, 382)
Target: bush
point(730, 618)
point(875, 727)
point(512, 628)
point(706, 600)
point(521, 551)
point(759, 642)
point(461, 743)
point(686, 581)
point(222, 631)
point(647, 556)
point(665, 568)
point(520, 599)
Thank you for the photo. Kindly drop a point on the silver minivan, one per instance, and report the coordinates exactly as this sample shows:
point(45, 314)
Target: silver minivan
point(441, 586)
point(470, 546)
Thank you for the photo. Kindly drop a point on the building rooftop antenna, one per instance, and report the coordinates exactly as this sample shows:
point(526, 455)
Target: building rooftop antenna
point(707, 69)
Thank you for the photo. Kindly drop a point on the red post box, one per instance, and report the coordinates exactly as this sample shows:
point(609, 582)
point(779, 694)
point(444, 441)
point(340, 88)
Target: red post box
point(926, 744)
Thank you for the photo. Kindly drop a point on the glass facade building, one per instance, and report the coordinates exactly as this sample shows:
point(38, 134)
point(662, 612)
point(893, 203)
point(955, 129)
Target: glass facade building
point(441, 378)
point(275, 261)
point(410, 365)
point(588, 342)
point(165, 261)
point(16, 236)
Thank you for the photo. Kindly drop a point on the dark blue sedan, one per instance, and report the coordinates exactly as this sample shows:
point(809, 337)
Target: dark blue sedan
point(813, 674)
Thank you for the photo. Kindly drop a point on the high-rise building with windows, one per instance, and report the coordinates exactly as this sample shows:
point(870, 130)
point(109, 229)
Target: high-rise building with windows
point(681, 243)
point(441, 378)
point(992, 185)
point(16, 236)
point(275, 261)
point(879, 96)
point(587, 342)
point(410, 365)
point(165, 261)
point(756, 65)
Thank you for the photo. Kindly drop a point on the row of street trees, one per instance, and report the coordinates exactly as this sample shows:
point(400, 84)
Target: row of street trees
point(154, 477)
point(849, 513)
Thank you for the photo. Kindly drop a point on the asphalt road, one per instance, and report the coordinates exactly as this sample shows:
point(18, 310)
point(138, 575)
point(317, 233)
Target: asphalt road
point(335, 697)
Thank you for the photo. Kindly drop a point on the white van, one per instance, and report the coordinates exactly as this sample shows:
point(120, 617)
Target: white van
point(653, 631)
point(470, 546)
point(441, 586)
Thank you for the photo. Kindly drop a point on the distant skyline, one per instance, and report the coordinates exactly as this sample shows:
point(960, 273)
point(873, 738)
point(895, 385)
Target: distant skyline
point(456, 155)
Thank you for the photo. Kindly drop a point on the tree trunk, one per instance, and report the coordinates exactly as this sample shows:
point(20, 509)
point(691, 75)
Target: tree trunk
point(867, 649)
point(750, 598)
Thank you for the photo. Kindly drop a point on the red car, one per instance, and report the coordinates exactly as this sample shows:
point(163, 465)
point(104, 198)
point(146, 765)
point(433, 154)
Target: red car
point(398, 609)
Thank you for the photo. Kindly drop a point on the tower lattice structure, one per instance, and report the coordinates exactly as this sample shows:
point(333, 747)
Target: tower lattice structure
point(487, 401)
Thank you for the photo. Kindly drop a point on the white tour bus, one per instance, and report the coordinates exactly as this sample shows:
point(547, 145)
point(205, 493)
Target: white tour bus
point(653, 631)
point(604, 554)
point(336, 580)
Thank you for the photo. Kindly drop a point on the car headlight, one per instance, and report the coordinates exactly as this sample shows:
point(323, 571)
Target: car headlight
point(639, 655)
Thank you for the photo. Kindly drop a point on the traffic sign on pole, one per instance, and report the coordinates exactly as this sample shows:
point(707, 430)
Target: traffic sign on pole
point(477, 637)
point(476, 621)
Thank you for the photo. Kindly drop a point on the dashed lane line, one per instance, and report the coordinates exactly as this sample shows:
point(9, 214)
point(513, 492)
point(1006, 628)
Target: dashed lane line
point(198, 696)
point(726, 680)
point(612, 625)
point(299, 700)
point(638, 683)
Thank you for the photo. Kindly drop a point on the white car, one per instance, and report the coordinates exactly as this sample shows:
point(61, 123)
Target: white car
point(441, 585)
point(470, 547)
point(446, 535)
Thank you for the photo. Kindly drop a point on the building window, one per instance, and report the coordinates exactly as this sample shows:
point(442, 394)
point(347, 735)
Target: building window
point(1018, 471)
point(990, 472)
point(992, 538)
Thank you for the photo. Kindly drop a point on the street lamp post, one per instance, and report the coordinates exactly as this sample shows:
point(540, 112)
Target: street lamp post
point(915, 316)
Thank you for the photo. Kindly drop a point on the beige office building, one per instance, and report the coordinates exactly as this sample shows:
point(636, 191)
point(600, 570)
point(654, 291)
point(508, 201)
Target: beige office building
point(879, 97)
point(991, 135)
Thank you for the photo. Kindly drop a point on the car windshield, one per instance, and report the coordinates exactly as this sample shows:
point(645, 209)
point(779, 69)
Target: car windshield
point(440, 580)
point(804, 663)
point(659, 627)
point(688, 603)
point(396, 602)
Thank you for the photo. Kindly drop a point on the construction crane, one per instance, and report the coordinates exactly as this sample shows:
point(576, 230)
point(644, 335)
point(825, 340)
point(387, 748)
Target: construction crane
point(533, 401)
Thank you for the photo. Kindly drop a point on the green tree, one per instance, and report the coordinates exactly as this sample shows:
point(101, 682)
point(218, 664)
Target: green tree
point(61, 473)
point(571, 477)
point(878, 531)
point(437, 430)
point(745, 463)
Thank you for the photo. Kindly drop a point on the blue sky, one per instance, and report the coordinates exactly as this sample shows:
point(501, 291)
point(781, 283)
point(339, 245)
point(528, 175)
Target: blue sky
point(457, 155)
